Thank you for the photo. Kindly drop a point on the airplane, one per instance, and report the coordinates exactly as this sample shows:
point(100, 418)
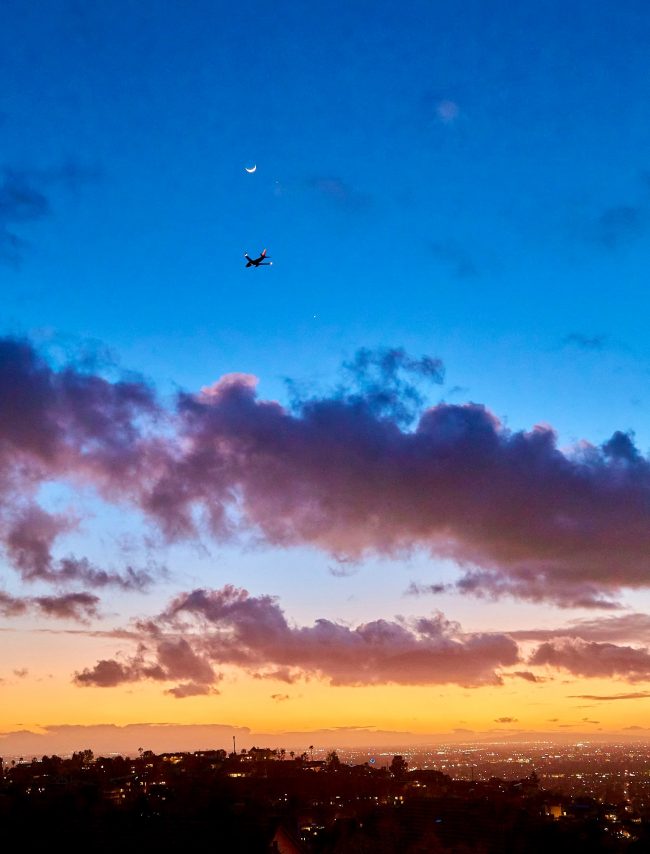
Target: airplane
point(258, 262)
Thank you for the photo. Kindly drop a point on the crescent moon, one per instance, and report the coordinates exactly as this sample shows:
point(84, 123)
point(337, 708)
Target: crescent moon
point(250, 171)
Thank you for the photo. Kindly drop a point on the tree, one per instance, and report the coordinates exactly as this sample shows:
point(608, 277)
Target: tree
point(398, 767)
point(332, 761)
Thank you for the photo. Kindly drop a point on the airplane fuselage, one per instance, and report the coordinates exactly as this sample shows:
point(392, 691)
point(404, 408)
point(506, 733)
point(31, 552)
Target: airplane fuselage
point(257, 262)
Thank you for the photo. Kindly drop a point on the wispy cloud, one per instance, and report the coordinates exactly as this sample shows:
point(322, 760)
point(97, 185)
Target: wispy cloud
point(66, 606)
point(526, 675)
point(635, 695)
point(456, 257)
point(594, 343)
point(417, 589)
point(447, 111)
point(341, 193)
point(620, 224)
point(633, 627)
point(25, 198)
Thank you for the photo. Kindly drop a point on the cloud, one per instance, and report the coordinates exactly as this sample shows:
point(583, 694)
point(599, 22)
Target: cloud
point(337, 190)
point(29, 540)
point(585, 342)
point(417, 589)
point(358, 471)
point(386, 380)
point(635, 695)
point(67, 606)
point(447, 111)
point(13, 606)
point(108, 673)
point(591, 659)
point(106, 739)
point(63, 424)
point(173, 660)
point(191, 689)
point(230, 627)
point(72, 606)
point(526, 675)
point(456, 257)
point(570, 527)
point(24, 199)
point(631, 627)
point(21, 201)
point(343, 569)
point(620, 224)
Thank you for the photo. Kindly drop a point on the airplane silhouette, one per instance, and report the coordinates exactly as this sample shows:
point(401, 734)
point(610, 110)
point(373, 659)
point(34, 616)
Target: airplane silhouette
point(258, 262)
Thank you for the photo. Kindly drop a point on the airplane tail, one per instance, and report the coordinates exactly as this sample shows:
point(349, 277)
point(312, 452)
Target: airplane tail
point(263, 253)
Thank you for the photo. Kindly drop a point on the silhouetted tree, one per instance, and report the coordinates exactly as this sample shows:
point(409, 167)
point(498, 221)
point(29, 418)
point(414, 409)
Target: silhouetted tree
point(398, 767)
point(332, 760)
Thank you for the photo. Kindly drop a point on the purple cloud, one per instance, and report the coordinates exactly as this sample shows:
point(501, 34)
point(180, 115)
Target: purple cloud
point(523, 517)
point(591, 659)
point(343, 472)
point(230, 627)
point(67, 606)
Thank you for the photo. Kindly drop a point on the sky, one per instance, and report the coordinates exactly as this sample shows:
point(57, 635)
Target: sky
point(395, 486)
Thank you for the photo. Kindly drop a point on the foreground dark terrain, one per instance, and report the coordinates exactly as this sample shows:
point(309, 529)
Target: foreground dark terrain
point(263, 800)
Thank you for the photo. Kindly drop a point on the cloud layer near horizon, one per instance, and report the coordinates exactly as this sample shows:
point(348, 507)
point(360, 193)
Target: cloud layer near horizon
point(105, 739)
point(207, 628)
point(342, 472)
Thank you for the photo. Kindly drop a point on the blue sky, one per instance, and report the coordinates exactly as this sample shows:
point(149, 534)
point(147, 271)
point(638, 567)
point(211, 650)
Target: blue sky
point(486, 236)
point(467, 180)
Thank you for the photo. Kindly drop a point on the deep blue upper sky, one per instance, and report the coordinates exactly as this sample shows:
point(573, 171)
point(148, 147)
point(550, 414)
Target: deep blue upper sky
point(469, 180)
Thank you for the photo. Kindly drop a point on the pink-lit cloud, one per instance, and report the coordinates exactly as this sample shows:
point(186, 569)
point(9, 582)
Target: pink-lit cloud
point(346, 472)
point(191, 689)
point(633, 627)
point(523, 517)
point(592, 659)
point(171, 659)
point(526, 675)
point(230, 627)
point(66, 606)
